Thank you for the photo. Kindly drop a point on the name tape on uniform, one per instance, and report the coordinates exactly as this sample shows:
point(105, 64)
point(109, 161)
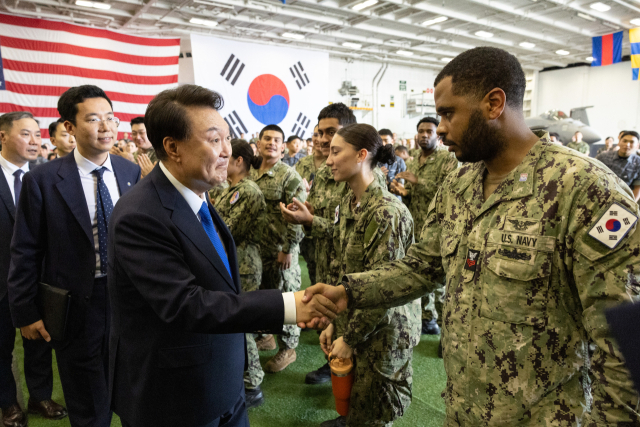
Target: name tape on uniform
point(614, 224)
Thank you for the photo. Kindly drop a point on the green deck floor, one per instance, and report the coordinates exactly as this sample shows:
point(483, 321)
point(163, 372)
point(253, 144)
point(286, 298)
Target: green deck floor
point(290, 402)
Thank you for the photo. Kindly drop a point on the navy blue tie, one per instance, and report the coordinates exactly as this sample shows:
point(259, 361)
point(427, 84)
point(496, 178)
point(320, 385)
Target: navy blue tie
point(207, 224)
point(17, 184)
point(104, 207)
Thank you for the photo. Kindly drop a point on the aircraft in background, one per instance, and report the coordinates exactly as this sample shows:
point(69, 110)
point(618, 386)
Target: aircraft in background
point(565, 126)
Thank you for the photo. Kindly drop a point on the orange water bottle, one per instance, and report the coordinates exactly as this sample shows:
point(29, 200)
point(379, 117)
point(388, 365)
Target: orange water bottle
point(341, 382)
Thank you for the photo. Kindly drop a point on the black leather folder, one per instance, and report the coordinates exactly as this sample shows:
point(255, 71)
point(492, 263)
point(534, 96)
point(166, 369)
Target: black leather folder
point(53, 304)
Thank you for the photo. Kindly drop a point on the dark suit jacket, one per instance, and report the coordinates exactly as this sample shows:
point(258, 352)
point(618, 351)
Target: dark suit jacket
point(7, 220)
point(177, 351)
point(623, 321)
point(53, 239)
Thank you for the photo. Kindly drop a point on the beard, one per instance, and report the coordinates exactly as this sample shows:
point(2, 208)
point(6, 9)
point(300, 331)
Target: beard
point(480, 141)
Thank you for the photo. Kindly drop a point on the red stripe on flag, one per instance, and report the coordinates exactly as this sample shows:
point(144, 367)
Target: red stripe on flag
point(67, 70)
point(58, 90)
point(85, 31)
point(43, 46)
point(6, 107)
point(607, 49)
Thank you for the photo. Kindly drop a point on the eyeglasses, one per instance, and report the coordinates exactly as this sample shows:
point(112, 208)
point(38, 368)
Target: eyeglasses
point(111, 121)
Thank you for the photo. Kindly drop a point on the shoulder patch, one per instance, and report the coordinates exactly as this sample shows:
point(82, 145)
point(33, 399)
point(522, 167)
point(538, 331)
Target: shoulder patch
point(613, 225)
point(235, 197)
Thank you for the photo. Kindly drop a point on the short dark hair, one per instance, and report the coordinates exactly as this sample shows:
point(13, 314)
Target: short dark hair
point(433, 120)
point(241, 148)
point(632, 133)
point(557, 135)
point(609, 137)
point(271, 127)
point(6, 120)
point(477, 71)
point(292, 138)
point(68, 102)
point(338, 111)
point(387, 132)
point(401, 148)
point(53, 127)
point(363, 136)
point(166, 114)
point(137, 121)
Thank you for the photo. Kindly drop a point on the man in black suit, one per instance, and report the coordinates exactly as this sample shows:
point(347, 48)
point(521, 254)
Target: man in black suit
point(177, 350)
point(20, 138)
point(60, 238)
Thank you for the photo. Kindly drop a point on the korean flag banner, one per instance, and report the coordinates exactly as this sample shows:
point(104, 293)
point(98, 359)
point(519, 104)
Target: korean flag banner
point(263, 84)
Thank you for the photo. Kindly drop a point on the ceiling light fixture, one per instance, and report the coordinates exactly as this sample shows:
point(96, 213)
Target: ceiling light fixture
point(562, 52)
point(404, 53)
point(610, 25)
point(635, 22)
point(484, 34)
point(364, 4)
point(205, 22)
point(587, 17)
point(600, 7)
point(528, 45)
point(446, 59)
point(295, 36)
point(94, 4)
point(352, 45)
point(589, 58)
point(435, 20)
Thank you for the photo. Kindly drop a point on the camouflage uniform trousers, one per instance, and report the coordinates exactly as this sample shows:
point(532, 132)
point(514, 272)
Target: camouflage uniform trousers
point(286, 281)
point(254, 374)
point(381, 391)
point(308, 252)
point(432, 305)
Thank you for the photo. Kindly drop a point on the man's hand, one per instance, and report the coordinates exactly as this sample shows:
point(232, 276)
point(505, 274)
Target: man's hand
point(319, 309)
point(297, 212)
point(35, 331)
point(115, 151)
point(408, 176)
point(385, 170)
point(398, 188)
point(336, 294)
point(326, 339)
point(341, 349)
point(145, 164)
point(284, 261)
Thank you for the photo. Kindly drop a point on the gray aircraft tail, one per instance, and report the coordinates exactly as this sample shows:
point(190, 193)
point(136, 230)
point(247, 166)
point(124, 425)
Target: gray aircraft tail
point(580, 113)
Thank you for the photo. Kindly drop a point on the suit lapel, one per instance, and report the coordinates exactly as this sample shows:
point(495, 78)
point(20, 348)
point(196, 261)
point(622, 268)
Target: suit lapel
point(70, 189)
point(229, 244)
point(121, 179)
point(188, 223)
point(5, 196)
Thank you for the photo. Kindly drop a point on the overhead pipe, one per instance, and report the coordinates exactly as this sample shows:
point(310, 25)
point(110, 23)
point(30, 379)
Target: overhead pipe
point(43, 14)
point(374, 92)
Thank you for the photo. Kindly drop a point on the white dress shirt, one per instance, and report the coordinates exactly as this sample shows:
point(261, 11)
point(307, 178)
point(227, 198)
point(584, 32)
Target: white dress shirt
point(9, 169)
point(195, 203)
point(90, 187)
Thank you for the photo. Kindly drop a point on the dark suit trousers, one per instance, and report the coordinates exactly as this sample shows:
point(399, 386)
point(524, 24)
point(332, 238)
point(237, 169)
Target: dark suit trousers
point(84, 362)
point(235, 417)
point(37, 362)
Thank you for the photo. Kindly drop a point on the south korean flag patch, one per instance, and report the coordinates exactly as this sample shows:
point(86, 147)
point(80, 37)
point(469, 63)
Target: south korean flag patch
point(614, 224)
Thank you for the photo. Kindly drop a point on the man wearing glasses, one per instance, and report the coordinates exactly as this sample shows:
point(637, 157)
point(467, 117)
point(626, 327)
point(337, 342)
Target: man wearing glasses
point(60, 239)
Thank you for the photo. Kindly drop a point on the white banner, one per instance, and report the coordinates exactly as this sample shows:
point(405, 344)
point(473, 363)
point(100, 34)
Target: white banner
point(262, 84)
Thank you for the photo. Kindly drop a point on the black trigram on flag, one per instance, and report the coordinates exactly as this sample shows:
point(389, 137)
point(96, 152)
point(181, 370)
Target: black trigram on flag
point(235, 124)
point(234, 68)
point(299, 75)
point(600, 229)
point(302, 123)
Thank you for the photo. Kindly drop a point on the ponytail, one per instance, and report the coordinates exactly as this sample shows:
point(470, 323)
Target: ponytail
point(241, 148)
point(363, 136)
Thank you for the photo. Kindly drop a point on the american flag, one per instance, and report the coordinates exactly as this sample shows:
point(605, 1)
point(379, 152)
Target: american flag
point(41, 59)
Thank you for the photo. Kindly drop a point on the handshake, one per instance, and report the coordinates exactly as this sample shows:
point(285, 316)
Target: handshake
point(319, 304)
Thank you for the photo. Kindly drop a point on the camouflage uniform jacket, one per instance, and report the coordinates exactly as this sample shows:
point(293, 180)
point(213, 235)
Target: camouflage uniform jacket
point(526, 289)
point(240, 206)
point(307, 167)
point(431, 175)
point(151, 153)
point(582, 147)
point(216, 191)
point(378, 230)
point(281, 183)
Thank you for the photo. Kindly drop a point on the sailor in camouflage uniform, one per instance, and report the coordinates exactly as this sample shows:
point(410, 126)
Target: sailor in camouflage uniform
point(372, 226)
point(535, 241)
point(279, 246)
point(239, 204)
point(307, 168)
point(425, 174)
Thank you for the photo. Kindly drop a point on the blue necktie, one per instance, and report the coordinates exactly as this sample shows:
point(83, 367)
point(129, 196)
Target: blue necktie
point(17, 184)
point(104, 207)
point(207, 224)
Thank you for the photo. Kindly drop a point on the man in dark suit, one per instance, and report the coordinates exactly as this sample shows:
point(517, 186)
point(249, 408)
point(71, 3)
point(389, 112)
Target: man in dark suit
point(60, 238)
point(20, 138)
point(177, 350)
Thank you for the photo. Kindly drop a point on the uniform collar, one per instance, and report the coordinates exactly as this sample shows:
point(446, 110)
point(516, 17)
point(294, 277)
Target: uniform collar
point(364, 201)
point(269, 172)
